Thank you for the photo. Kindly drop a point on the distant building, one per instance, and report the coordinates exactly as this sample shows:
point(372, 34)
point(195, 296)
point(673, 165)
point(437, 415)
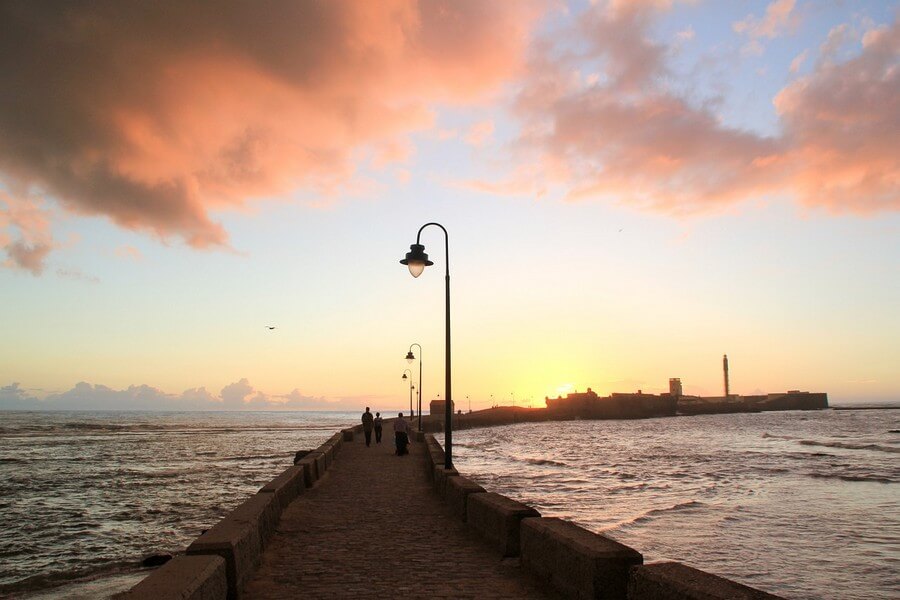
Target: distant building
point(675, 386)
point(615, 406)
point(437, 407)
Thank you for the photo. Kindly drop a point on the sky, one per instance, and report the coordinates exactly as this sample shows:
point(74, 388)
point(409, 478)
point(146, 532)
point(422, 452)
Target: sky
point(631, 190)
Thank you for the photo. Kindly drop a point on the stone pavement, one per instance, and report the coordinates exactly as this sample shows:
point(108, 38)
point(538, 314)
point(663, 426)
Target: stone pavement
point(373, 527)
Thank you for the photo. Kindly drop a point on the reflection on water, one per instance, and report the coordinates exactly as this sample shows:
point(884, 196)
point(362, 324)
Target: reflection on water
point(802, 504)
point(86, 495)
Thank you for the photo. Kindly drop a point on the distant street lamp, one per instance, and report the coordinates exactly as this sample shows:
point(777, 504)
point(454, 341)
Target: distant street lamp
point(410, 357)
point(417, 260)
point(405, 371)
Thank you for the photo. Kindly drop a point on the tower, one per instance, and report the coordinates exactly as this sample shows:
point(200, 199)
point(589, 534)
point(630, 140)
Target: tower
point(725, 369)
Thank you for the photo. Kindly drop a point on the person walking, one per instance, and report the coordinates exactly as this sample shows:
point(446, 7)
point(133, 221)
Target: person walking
point(401, 435)
point(368, 422)
point(377, 428)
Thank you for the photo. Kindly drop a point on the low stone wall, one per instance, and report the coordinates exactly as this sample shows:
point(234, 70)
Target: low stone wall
point(218, 563)
point(675, 581)
point(577, 562)
point(183, 577)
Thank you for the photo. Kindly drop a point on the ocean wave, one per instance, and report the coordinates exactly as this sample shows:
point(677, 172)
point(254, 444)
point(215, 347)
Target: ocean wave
point(768, 435)
point(850, 446)
point(869, 478)
point(544, 461)
point(653, 513)
point(255, 457)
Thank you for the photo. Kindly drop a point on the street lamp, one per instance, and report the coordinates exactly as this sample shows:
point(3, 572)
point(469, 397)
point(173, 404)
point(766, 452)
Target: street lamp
point(411, 386)
point(417, 260)
point(410, 357)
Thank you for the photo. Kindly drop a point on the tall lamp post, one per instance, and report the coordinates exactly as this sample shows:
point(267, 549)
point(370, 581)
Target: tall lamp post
point(411, 386)
point(410, 357)
point(417, 260)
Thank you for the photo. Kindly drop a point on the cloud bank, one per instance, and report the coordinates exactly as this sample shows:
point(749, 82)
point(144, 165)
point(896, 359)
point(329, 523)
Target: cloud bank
point(239, 395)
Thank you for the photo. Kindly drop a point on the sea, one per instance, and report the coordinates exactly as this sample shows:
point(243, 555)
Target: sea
point(86, 496)
point(800, 504)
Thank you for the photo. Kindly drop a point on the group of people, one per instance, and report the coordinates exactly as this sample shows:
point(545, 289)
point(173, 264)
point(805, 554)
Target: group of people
point(401, 430)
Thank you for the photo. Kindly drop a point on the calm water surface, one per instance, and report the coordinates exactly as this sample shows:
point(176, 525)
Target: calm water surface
point(84, 496)
point(801, 504)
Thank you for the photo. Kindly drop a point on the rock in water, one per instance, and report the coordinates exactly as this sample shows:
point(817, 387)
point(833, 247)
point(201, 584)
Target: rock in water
point(156, 560)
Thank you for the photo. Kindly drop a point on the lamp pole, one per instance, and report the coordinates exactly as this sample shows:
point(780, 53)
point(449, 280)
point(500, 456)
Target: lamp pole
point(417, 260)
point(410, 357)
point(405, 371)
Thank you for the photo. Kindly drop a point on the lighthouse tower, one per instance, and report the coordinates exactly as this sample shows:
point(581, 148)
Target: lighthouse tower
point(725, 369)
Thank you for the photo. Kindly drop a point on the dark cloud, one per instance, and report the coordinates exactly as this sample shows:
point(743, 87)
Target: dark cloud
point(154, 114)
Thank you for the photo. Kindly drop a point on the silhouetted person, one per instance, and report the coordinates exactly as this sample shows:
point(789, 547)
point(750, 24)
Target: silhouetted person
point(368, 422)
point(401, 435)
point(377, 428)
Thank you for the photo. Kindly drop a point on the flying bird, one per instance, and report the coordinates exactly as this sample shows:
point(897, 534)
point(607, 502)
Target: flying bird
point(270, 327)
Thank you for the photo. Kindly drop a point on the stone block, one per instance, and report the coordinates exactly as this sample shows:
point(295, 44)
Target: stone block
point(575, 561)
point(239, 539)
point(329, 455)
point(321, 464)
point(184, 578)
point(675, 581)
point(457, 491)
point(497, 518)
point(347, 435)
point(286, 487)
point(310, 473)
point(441, 475)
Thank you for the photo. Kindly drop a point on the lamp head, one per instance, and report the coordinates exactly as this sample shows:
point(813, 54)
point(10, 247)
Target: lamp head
point(410, 357)
point(404, 376)
point(416, 260)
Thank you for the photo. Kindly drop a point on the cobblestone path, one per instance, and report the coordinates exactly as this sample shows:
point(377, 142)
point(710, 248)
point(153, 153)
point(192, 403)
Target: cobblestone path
point(374, 528)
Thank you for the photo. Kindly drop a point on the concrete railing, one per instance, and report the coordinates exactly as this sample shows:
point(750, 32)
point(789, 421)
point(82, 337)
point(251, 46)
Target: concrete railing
point(218, 563)
point(577, 562)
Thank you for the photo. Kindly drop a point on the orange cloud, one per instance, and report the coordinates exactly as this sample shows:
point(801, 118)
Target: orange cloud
point(155, 114)
point(842, 122)
point(628, 137)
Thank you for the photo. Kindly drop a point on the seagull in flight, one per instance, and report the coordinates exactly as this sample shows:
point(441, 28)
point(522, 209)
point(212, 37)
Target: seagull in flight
point(270, 327)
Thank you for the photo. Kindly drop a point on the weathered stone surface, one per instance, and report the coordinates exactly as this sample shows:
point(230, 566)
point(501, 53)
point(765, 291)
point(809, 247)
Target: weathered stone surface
point(321, 464)
point(374, 528)
point(441, 475)
point(328, 451)
point(184, 578)
point(300, 454)
point(310, 473)
point(457, 490)
point(497, 519)
point(575, 561)
point(347, 435)
point(239, 539)
point(675, 581)
point(287, 486)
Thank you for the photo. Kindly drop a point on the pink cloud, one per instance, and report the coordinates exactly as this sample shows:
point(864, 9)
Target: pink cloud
point(480, 133)
point(779, 16)
point(630, 138)
point(154, 115)
point(842, 122)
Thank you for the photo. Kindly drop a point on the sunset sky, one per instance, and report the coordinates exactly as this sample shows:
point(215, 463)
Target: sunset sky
point(632, 189)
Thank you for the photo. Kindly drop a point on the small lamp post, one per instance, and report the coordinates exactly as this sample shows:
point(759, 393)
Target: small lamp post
point(416, 260)
point(410, 357)
point(411, 386)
